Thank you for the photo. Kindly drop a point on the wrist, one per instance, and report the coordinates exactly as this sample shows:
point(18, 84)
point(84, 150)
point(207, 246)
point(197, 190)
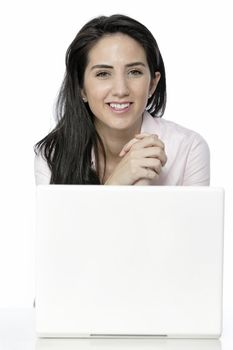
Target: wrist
point(111, 183)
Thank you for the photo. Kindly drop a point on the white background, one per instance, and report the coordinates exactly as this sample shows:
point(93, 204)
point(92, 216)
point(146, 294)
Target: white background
point(195, 39)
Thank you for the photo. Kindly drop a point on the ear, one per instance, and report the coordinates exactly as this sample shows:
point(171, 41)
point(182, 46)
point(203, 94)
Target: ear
point(84, 97)
point(154, 83)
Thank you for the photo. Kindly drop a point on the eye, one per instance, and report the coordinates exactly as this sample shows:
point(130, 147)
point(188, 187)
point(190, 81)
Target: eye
point(102, 74)
point(135, 72)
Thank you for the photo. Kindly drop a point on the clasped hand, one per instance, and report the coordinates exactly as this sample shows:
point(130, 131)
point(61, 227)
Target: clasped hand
point(142, 160)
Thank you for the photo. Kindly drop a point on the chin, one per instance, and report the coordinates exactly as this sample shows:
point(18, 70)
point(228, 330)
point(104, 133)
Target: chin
point(122, 126)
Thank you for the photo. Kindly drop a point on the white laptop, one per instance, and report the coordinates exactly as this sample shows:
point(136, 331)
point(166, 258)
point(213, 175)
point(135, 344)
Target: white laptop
point(129, 261)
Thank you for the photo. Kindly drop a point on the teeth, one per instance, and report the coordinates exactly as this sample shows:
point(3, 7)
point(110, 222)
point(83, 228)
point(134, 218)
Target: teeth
point(119, 105)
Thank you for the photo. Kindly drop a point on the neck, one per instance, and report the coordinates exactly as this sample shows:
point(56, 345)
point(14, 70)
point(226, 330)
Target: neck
point(115, 140)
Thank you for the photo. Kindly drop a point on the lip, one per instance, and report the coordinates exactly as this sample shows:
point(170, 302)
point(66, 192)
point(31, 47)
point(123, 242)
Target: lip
point(119, 110)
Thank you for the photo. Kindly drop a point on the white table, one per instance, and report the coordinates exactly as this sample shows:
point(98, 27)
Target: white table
point(17, 332)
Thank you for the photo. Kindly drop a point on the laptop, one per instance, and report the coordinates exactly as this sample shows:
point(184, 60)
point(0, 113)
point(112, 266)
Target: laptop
point(129, 261)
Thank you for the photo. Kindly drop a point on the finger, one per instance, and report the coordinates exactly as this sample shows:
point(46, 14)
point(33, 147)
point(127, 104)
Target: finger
point(151, 140)
point(150, 152)
point(142, 135)
point(147, 173)
point(152, 163)
point(155, 152)
point(127, 147)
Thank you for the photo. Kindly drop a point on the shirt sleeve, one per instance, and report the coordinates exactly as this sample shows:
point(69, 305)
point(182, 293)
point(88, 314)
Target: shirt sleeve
point(42, 171)
point(197, 170)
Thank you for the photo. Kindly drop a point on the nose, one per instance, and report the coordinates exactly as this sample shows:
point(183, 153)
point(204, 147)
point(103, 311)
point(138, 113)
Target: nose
point(120, 86)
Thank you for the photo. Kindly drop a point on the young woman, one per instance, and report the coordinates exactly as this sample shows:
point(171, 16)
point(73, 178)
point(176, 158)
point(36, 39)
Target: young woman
point(109, 128)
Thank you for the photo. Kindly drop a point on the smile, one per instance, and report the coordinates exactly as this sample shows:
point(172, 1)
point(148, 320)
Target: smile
point(119, 107)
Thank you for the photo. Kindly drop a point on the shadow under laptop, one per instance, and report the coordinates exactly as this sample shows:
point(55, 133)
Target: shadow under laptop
point(125, 344)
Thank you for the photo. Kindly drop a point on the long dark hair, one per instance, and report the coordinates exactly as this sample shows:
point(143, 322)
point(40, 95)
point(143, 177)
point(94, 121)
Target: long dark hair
point(68, 147)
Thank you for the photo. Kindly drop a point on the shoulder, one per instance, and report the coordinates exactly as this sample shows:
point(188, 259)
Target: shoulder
point(187, 152)
point(171, 132)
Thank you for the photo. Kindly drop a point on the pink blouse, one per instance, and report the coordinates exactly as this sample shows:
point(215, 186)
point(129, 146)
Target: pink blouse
point(188, 156)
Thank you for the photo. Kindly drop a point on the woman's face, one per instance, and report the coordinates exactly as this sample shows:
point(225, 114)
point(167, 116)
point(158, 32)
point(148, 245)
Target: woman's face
point(118, 83)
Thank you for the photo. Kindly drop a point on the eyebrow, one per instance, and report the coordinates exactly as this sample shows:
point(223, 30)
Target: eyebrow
point(111, 67)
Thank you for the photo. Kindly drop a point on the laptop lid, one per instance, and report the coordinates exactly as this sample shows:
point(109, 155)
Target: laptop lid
point(129, 261)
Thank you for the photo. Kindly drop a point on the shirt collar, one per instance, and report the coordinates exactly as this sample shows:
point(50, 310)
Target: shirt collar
point(149, 124)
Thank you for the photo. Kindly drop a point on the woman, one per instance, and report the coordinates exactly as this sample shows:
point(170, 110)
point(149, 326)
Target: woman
point(109, 129)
